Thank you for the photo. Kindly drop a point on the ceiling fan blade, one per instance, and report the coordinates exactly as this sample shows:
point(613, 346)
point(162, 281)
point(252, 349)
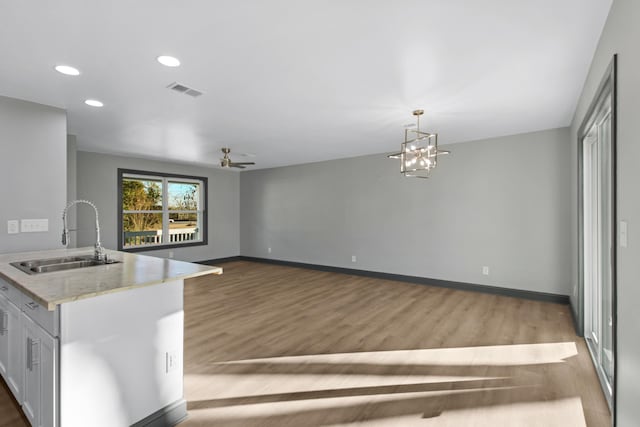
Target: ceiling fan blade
point(394, 155)
point(226, 162)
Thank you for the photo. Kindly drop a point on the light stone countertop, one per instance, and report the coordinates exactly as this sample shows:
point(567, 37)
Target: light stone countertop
point(133, 271)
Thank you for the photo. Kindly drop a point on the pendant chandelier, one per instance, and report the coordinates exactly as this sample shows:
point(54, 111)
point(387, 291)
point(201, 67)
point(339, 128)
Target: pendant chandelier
point(419, 151)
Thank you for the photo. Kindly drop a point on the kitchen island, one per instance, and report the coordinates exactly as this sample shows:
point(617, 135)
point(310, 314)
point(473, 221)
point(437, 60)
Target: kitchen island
point(99, 345)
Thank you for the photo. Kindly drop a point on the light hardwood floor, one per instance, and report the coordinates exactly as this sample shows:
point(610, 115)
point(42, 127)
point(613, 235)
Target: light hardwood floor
point(268, 345)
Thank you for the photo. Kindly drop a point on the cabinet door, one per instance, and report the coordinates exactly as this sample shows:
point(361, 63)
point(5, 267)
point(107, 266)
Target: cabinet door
point(15, 365)
point(40, 397)
point(4, 336)
point(49, 408)
point(32, 383)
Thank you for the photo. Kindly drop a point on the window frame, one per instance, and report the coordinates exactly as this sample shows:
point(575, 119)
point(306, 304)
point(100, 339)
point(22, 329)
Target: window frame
point(124, 173)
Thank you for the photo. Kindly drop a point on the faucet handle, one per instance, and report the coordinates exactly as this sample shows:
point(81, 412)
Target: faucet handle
point(99, 253)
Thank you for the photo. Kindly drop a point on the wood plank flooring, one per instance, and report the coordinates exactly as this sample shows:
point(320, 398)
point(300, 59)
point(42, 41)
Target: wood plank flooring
point(10, 413)
point(268, 345)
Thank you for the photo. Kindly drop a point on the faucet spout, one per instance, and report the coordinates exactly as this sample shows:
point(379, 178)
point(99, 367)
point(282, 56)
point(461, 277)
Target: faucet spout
point(99, 250)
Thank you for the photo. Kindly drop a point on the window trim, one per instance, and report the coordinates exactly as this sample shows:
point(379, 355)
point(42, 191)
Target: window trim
point(205, 211)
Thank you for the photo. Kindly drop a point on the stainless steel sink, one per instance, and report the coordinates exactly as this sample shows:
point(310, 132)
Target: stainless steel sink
point(50, 265)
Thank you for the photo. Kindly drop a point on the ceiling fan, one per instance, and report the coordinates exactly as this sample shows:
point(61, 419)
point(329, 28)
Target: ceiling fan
point(226, 162)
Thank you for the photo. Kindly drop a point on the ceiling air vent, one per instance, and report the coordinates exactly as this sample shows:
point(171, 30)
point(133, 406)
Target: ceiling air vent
point(184, 89)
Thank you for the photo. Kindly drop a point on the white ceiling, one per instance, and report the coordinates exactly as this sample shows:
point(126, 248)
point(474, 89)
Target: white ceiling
point(298, 81)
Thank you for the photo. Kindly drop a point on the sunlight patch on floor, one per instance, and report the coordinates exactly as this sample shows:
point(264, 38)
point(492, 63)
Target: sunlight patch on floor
point(220, 386)
point(497, 355)
point(286, 407)
point(555, 413)
point(290, 388)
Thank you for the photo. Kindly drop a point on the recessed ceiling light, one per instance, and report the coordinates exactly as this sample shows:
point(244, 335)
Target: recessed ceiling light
point(67, 70)
point(94, 103)
point(169, 61)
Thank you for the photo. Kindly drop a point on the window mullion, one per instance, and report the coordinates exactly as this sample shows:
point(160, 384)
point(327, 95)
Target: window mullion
point(165, 211)
point(141, 212)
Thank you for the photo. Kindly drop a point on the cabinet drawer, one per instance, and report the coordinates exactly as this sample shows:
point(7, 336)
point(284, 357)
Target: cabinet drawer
point(10, 291)
point(48, 320)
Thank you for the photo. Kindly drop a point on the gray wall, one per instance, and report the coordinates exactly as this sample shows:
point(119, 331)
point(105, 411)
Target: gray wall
point(33, 168)
point(72, 170)
point(502, 203)
point(621, 35)
point(97, 181)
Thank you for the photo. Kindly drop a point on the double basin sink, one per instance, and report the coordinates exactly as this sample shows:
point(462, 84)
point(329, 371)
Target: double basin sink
point(51, 265)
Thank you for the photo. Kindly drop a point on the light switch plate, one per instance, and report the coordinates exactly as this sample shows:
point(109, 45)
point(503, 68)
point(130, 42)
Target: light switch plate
point(34, 225)
point(13, 226)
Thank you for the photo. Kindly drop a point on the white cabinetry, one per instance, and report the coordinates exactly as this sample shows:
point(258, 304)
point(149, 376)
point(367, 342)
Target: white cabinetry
point(4, 336)
point(11, 349)
point(40, 374)
point(28, 355)
point(15, 365)
point(95, 361)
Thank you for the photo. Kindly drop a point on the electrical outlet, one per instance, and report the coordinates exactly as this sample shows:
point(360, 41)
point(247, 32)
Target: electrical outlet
point(269, 250)
point(485, 270)
point(171, 361)
point(13, 226)
point(353, 258)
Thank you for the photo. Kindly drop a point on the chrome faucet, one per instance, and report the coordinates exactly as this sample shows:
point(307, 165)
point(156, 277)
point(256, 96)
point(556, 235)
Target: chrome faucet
point(99, 253)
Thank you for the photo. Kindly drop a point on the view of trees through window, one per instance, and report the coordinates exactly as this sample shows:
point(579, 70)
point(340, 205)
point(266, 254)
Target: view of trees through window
point(139, 195)
point(145, 210)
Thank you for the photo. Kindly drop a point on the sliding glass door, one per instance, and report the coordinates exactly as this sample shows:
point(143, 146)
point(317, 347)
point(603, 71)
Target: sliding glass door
point(598, 242)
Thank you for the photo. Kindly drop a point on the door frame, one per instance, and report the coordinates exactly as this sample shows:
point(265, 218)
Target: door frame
point(607, 87)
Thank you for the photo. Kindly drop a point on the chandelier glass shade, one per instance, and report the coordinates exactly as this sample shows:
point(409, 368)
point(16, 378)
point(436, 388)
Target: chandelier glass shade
point(419, 152)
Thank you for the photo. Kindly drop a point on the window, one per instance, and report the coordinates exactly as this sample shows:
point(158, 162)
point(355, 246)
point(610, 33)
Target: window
point(157, 210)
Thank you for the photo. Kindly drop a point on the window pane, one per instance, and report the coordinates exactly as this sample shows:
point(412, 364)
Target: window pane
point(184, 196)
point(141, 194)
point(161, 210)
point(141, 229)
point(184, 227)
